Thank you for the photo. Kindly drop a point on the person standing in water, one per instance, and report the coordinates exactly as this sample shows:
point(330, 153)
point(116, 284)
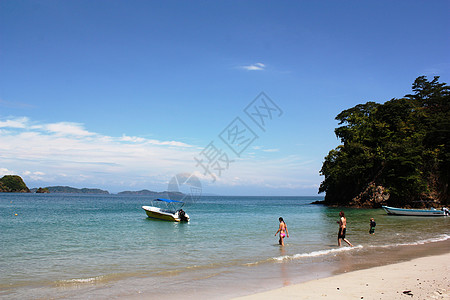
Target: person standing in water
point(372, 226)
point(282, 230)
point(342, 228)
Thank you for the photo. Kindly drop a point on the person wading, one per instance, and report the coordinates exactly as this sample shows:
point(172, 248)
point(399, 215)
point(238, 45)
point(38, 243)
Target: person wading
point(282, 230)
point(342, 229)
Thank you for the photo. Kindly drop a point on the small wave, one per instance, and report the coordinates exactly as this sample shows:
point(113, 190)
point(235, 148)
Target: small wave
point(75, 281)
point(316, 253)
point(440, 238)
point(95, 279)
point(82, 280)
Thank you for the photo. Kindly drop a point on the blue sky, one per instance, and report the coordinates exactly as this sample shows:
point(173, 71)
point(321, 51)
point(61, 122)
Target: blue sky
point(124, 95)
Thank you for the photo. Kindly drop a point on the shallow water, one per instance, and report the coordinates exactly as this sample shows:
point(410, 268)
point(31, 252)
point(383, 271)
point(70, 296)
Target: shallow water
point(103, 246)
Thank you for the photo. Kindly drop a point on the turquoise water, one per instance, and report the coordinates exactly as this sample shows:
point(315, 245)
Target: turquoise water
point(104, 246)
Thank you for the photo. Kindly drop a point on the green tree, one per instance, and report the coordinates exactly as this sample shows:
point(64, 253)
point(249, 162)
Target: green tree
point(401, 145)
point(13, 184)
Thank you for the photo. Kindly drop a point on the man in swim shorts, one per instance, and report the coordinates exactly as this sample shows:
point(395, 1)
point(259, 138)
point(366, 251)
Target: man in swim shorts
point(342, 229)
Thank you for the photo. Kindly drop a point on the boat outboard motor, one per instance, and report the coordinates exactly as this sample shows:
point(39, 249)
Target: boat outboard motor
point(182, 215)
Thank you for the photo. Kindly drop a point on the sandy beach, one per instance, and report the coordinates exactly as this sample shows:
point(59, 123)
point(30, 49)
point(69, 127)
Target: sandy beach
point(420, 278)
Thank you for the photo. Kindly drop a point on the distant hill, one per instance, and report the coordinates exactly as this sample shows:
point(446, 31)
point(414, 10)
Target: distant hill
point(152, 193)
point(141, 192)
point(42, 191)
point(13, 184)
point(72, 190)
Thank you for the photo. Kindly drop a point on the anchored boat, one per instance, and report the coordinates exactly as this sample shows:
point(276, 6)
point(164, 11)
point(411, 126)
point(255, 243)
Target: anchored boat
point(414, 212)
point(166, 209)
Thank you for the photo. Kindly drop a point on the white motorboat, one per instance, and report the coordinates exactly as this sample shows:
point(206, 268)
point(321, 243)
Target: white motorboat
point(165, 209)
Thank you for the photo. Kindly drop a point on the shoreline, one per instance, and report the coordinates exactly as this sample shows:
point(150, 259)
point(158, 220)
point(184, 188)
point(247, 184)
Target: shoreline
point(422, 278)
point(269, 280)
point(358, 275)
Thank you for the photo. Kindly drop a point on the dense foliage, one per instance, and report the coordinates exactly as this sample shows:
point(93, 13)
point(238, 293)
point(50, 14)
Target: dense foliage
point(42, 191)
point(400, 147)
point(13, 184)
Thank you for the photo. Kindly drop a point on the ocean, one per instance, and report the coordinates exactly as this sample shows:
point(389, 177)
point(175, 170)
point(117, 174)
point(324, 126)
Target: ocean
point(72, 246)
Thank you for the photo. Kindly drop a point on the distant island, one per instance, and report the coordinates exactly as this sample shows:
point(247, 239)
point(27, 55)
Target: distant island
point(41, 190)
point(13, 184)
point(68, 190)
point(173, 195)
point(396, 153)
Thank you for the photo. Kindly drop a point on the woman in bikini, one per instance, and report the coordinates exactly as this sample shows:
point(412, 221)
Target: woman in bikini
point(282, 230)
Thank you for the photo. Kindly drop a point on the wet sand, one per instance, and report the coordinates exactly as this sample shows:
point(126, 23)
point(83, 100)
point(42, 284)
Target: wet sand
point(420, 278)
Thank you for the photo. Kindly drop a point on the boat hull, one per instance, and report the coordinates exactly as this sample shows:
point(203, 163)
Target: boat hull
point(413, 212)
point(157, 213)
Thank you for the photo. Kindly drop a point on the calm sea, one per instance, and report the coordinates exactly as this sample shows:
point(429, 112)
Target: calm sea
point(103, 246)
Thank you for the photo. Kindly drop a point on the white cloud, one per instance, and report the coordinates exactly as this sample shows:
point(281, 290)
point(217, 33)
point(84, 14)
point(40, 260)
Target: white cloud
point(254, 67)
point(135, 139)
point(28, 173)
point(289, 173)
point(271, 150)
point(169, 143)
point(264, 150)
point(36, 175)
point(14, 123)
point(67, 128)
point(4, 171)
point(68, 151)
point(68, 154)
point(132, 139)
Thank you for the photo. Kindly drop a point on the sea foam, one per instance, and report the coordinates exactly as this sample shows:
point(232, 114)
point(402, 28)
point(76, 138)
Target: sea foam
point(316, 253)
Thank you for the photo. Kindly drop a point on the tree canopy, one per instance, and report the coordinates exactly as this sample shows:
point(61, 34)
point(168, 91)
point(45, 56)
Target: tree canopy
point(400, 148)
point(13, 184)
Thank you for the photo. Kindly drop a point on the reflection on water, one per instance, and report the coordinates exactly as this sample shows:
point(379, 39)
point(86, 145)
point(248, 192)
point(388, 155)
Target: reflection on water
point(284, 274)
